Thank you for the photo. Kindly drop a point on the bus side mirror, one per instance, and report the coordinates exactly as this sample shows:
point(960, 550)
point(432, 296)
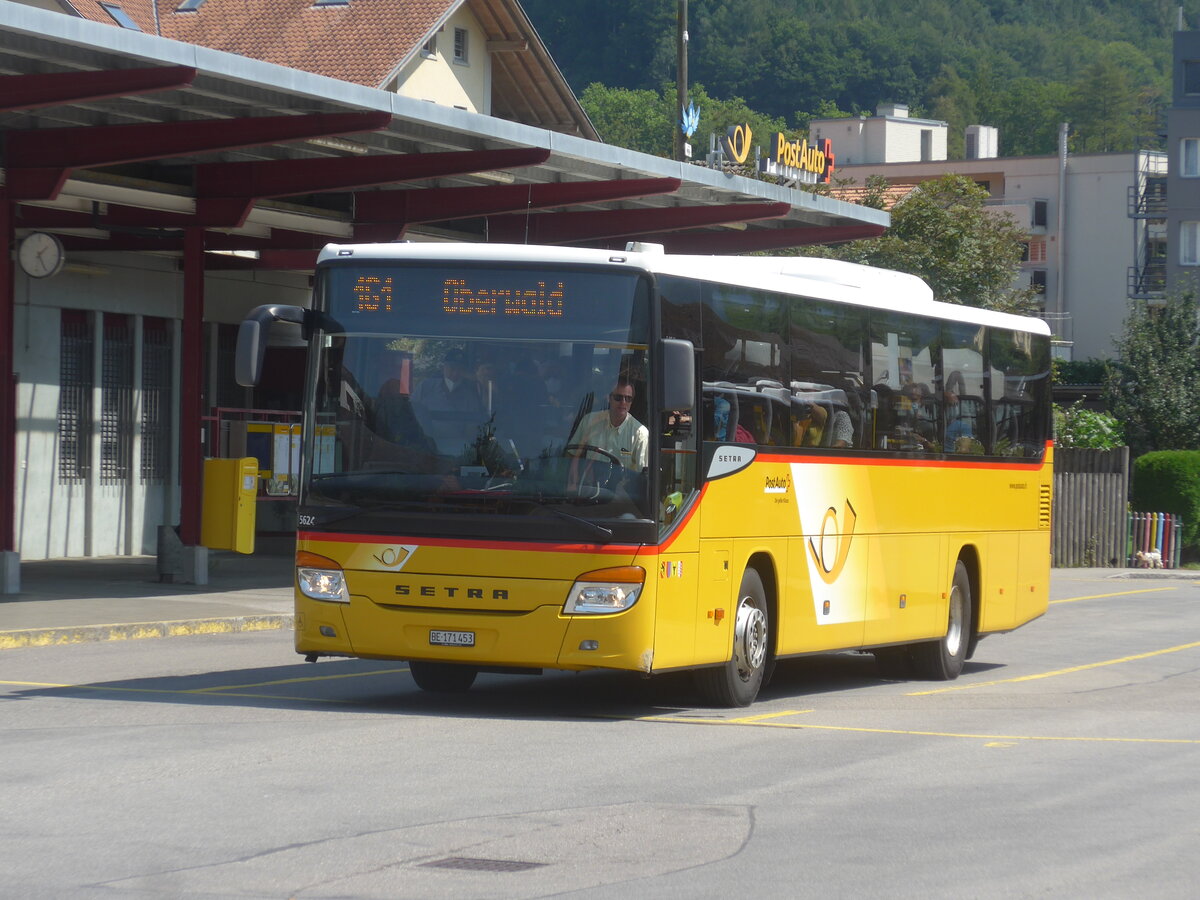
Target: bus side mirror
point(678, 374)
point(252, 338)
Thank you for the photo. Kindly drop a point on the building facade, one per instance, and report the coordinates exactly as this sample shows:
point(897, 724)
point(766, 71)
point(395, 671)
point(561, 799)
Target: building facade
point(1095, 234)
point(1182, 258)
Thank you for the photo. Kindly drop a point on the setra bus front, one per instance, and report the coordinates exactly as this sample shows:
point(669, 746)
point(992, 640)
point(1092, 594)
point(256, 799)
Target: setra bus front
point(491, 457)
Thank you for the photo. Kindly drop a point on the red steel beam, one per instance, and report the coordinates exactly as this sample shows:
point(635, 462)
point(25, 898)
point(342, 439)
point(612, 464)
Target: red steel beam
point(572, 227)
point(39, 161)
point(59, 88)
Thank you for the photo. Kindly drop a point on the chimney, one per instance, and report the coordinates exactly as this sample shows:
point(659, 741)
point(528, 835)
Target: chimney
point(983, 142)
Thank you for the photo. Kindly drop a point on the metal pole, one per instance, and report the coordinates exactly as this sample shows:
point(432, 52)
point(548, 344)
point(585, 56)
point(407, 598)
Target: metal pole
point(191, 463)
point(1059, 288)
point(8, 408)
point(681, 77)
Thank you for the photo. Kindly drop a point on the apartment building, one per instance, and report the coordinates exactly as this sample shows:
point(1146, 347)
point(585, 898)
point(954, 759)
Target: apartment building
point(1095, 222)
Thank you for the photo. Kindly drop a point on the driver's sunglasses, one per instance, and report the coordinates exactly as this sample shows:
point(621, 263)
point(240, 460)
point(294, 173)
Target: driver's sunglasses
point(621, 398)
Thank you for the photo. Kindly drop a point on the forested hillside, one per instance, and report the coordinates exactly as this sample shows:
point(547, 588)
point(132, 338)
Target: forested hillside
point(1102, 65)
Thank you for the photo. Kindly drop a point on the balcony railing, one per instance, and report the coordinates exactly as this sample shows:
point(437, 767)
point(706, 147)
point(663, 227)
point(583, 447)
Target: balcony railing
point(1147, 282)
point(1149, 202)
point(1061, 326)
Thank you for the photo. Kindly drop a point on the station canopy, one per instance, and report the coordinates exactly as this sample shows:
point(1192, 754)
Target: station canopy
point(123, 141)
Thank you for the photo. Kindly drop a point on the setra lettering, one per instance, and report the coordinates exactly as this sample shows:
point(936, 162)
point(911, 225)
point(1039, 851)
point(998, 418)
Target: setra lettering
point(429, 590)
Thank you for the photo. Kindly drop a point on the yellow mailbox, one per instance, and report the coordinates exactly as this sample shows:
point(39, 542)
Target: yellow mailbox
point(230, 492)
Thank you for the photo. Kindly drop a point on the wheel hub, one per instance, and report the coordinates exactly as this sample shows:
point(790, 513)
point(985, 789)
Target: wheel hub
point(749, 639)
point(954, 631)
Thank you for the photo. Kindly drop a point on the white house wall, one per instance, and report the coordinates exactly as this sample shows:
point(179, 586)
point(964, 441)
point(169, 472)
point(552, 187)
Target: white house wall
point(1099, 250)
point(441, 80)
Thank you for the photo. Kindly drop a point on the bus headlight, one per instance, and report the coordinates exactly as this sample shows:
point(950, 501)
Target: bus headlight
point(605, 591)
point(321, 578)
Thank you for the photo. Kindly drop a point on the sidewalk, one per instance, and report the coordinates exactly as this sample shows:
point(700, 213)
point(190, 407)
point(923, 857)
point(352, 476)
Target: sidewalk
point(66, 601)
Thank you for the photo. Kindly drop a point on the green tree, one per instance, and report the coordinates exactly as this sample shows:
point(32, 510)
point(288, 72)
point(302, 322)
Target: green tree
point(645, 120)
point(943, 233)
point(1103, 109)
point(1154, 386)
point(634, 119)
point(1028, 115)
point(1077, 426)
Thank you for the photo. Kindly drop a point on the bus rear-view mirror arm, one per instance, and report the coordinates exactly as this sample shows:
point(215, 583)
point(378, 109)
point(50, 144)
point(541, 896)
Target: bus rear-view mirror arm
point(252, 338)
point(678, 381)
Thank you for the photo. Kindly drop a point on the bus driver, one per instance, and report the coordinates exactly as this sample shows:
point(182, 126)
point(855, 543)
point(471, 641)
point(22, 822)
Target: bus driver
point(615, 430)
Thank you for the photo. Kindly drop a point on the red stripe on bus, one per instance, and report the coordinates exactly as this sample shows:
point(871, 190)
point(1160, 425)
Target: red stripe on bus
point(621, 549)
point(902, 463)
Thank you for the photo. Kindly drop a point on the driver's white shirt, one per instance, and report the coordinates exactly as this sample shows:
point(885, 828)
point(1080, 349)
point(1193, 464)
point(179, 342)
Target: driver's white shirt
point(628, 441)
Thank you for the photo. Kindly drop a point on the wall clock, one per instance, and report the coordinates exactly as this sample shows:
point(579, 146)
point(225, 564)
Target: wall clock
point(41, 255)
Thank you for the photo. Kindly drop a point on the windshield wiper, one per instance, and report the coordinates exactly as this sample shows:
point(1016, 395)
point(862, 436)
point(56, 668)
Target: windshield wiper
point(571, 517)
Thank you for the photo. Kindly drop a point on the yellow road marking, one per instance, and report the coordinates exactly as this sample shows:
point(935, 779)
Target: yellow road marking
point(947, 734)
point(1071, 670)
point(751, 720)
point(234, 687)
point(1117, 594)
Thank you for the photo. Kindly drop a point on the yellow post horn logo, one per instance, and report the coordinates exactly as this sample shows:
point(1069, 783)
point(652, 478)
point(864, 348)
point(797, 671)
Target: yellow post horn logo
point(393, 557)
point(736, 142)
point(842, 536)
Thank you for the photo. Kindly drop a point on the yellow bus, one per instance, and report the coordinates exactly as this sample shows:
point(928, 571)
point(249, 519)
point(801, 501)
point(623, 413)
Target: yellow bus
point(521, 458)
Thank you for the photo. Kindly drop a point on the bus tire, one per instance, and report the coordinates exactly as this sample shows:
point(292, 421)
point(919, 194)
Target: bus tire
point(442, 678)
point(736, 682)
point(942, 660)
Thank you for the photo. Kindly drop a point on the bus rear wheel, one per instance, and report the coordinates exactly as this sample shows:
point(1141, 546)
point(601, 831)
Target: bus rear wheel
point(942, 660)
point(442, 678)
point(737, 682)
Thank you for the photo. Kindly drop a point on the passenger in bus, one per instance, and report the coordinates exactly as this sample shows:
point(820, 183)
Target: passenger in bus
point(810, 430)
point(615, 429)
point(485, 385)
point(449, 404)
point(960, 428)
point(914, 419)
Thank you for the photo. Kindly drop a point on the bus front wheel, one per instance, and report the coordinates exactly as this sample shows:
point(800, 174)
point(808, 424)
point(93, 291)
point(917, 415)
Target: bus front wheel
point(736, 683)
point(442, 678)
point(942, 660)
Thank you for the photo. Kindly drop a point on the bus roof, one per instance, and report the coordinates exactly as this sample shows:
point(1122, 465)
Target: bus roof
point(822, 279)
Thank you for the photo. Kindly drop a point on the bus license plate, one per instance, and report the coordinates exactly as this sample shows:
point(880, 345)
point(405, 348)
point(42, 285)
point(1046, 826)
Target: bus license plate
point(452, 638)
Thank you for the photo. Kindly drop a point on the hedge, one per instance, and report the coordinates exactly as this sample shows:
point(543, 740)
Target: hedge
point(1169, 481)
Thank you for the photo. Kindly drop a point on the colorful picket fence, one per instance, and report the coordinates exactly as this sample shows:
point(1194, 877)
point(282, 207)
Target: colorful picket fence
point(1154, 531)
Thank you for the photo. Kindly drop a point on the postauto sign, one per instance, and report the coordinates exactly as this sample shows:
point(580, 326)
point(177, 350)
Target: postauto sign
point(794, 160)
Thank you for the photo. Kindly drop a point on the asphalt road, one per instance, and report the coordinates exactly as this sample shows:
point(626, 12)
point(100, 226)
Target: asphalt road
point(1062, 763)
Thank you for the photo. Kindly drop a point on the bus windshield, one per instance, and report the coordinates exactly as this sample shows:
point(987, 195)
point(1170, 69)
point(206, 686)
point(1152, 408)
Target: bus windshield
point(465, 391)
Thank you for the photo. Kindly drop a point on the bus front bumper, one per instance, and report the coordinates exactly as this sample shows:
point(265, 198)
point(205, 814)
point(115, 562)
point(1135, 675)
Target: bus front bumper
point(540, 638)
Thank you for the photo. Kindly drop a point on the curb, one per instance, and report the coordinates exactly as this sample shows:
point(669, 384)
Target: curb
point(133, 631)
point(1160, 574)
